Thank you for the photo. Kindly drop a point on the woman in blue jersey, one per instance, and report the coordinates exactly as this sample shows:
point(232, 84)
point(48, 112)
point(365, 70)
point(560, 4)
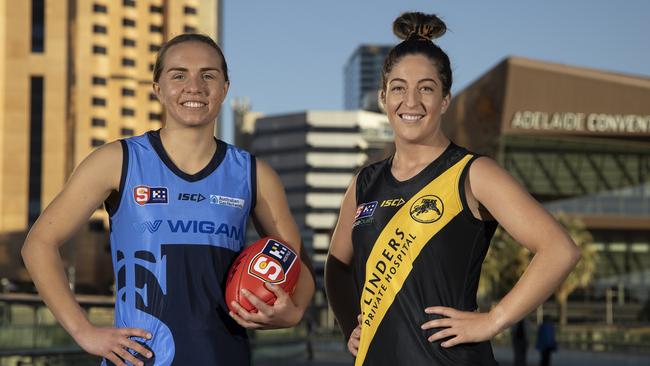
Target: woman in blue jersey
point(414, 229)
point(178, 201)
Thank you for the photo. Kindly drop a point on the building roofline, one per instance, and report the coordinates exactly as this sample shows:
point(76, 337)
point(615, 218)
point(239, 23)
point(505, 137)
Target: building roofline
point(614, 222)
point(640, 81)
point(364, 46)
point(585, 72)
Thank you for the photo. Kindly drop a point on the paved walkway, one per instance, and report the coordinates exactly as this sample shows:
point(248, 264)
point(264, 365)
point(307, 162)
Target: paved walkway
point(576, 358)
point(332, 355)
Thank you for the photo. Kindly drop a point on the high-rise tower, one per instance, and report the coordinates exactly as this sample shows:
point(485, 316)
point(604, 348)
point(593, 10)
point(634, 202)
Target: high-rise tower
point(75, 74)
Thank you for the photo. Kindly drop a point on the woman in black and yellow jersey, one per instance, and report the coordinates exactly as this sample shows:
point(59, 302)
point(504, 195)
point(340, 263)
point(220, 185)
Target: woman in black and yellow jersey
point(414, 229)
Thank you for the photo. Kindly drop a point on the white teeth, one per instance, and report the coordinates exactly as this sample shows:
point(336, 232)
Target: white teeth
point(411, 117)
point(193, 104)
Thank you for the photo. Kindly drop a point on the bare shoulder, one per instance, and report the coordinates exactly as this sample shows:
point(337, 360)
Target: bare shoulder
point(484, 167)
point(341, 240)
point(88, 186)
point(513, 206)
point(102, 167)
point(349, 202)
point(264, 169)
point(105, 153)
point(493, 186)
point(486, 174)
point(111, 150)
point(268, 181)
point(350, 196)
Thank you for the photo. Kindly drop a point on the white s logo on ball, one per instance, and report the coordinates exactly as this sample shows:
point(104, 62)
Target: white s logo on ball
point(263, 266)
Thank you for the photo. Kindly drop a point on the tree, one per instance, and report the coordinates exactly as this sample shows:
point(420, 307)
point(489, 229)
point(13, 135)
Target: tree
point(504, 263)
point(583, 272)
point(506, 260)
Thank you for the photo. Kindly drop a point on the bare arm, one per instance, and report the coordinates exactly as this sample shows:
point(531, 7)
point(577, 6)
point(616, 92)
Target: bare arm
point(273, 218)
point(532, 226)
point(87, 188)
point(341, 243)
point(339, 282)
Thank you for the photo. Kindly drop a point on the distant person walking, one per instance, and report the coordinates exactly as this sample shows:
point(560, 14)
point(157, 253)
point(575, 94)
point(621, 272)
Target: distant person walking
point(546, 341)
point(519, 342)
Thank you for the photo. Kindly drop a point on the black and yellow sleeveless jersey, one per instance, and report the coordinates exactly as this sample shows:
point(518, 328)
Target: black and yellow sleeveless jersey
point(417, 244)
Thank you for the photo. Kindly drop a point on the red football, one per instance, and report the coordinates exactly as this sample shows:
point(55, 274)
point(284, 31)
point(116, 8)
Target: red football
point(266, 260)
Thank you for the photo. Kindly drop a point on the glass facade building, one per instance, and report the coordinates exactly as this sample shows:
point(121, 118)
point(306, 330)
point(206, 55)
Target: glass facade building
point(362, 77)
point(75, 75)
point(579, 141)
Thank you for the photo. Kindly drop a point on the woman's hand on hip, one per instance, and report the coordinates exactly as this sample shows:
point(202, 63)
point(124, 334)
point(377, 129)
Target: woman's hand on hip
point(460, 326)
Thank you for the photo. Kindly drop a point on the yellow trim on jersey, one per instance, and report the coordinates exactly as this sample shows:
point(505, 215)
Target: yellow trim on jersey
point(399, 244)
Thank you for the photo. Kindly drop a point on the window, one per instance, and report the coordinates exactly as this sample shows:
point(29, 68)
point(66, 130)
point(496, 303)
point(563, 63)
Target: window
point(156, 28)
point(98, 80)
point(189, 10)
point(152, 96)
point(96, 142)
point(189, 29)
point(35, 147)
point(128, 42)
point(155, 116)
point(127, 131)
point(99, 8)
point(128, 92)
point(38, 26)
point(101, 50)
point(154, 47)
point(128, 22)
point(130, 3)
point(128, 61)
point(156, 9)
point(98, 101)
point(101, 29)
point(151, 66)
point(128, 111)
point(98, 122)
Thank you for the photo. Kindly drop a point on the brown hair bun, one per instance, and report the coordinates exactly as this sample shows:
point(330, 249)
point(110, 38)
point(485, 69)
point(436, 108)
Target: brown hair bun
point(416, 25)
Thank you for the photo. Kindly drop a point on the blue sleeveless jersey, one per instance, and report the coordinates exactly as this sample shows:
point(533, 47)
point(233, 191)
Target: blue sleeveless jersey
point(173, 237)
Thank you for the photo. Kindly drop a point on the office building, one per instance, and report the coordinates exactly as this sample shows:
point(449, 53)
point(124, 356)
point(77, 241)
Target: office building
point(363, 77)
point(316, 154)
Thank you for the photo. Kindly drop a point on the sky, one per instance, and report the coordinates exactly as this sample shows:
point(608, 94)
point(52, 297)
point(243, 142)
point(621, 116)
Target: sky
point(288, 55)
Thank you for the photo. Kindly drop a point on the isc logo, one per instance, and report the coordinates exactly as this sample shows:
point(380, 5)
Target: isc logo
point(196, 197)
point(394, 202)
point(144, 195)
point(273, 262)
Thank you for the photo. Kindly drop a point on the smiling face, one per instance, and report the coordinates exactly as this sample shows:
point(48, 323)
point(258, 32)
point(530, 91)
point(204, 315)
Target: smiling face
point(413, 99)
point(192, 85)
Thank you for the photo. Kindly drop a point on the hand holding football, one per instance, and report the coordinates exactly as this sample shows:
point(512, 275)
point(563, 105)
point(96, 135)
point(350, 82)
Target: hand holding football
point(266, 260)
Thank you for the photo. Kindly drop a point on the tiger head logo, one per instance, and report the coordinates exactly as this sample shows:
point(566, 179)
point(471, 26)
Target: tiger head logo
point(427, 209)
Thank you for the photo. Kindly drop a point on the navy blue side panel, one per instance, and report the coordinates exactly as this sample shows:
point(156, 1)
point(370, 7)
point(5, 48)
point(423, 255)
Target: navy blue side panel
point(194, 293)
point(196, 280)
point(253, 178)
point(112, 203)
